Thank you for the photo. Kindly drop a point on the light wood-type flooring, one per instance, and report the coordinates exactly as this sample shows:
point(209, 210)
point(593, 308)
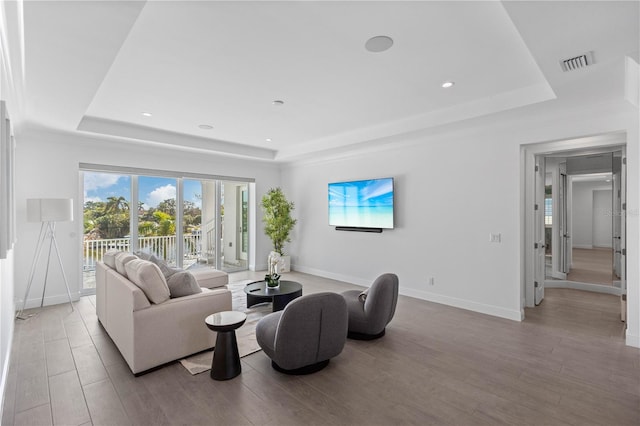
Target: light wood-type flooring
point(594, 266)
point(565, 364)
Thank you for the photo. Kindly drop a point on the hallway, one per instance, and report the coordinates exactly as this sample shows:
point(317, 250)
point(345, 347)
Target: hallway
point(593, 266)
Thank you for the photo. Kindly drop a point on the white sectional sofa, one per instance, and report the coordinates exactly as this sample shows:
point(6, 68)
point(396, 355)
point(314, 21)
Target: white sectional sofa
point(150, 334)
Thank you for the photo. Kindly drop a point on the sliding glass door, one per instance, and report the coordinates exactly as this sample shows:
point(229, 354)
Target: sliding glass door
point(199, 222)
point(106, 219)
point(234, 207)
point(184, 221)
point(157, 218)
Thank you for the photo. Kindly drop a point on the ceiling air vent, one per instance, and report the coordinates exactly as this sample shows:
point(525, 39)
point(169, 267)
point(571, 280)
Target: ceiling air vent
point(577, 62)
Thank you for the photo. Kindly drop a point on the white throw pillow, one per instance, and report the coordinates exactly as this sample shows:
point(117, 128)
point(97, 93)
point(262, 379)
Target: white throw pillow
point(122, 259)
point(109, 258)
point(149, 278)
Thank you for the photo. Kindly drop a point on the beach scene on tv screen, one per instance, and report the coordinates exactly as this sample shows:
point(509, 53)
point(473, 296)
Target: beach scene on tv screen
point(365, 203)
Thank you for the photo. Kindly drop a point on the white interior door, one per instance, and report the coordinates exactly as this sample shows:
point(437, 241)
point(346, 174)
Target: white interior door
point(616, 217)
point(563, 209)
point(539, 241)
point(623, 224)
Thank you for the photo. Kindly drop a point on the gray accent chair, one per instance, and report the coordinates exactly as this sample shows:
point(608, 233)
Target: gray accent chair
point(371, 310)
point(302, 338)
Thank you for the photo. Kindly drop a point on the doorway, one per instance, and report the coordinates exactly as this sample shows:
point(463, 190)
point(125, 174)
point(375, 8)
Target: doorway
point(549, 245)
point(583, 199)
point(582, 233)
point(234, 225)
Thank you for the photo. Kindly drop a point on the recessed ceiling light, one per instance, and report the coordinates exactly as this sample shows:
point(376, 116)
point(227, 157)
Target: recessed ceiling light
point(448, 84)
point(268, 139)
point(147, 114)
point(205, 126)
point(278, 102)
point(378, 44)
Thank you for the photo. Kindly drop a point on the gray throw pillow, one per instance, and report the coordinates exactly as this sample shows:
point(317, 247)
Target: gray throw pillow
point(167, 270)
point(182, 283)
point(143, 254)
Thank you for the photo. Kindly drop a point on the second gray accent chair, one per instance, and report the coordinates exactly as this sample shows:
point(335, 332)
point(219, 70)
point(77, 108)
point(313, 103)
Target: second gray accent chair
point(371, 310)
point(302, 338)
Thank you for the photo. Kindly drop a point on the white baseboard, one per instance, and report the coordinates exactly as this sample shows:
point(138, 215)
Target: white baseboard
point(496, 311)
point(48, 300)
point(338, 277)
point(632, 340)
point(583, 246)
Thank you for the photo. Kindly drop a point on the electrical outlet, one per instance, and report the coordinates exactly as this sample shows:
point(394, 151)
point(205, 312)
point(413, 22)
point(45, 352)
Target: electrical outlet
point(495, 238)
point(432, 281)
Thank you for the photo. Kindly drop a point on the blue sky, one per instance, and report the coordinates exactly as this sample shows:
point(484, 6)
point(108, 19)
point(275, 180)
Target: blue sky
point(375, 192)
point(152, 190)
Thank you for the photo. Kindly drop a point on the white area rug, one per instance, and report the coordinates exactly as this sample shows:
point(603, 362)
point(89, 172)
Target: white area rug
point(246, 335)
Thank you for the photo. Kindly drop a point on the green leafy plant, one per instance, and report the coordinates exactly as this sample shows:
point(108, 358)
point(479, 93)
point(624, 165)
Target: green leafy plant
point(277, 219)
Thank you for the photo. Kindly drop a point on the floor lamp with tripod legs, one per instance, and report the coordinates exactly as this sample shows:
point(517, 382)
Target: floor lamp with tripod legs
point(47, 211)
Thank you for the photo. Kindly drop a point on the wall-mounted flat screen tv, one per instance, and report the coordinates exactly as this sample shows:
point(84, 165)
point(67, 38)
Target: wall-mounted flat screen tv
point(361, 204)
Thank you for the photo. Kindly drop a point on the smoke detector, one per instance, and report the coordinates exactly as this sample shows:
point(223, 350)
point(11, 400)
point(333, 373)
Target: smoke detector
point(577, 62)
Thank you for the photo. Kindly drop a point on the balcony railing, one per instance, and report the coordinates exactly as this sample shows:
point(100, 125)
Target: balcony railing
point(162, 246)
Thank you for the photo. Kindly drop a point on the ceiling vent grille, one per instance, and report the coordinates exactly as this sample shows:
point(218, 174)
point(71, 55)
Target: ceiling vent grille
point(577, 62)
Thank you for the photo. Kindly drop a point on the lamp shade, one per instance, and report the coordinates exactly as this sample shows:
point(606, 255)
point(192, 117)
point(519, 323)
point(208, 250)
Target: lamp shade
point(49, 209)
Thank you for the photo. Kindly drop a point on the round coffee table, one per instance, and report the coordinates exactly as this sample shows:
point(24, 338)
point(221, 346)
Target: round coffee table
point(258, 292)
point(226, 359)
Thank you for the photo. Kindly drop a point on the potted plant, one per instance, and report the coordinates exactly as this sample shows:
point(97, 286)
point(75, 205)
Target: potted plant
point(278, 223)
point(272, 278)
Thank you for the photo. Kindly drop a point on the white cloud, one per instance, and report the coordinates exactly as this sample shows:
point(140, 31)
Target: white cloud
point(94, 199)
point(93, 181)
point(160, 194)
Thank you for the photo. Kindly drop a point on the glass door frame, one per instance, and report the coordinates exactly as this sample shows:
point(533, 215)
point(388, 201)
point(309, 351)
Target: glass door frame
point(220, 264)
point(134, 174)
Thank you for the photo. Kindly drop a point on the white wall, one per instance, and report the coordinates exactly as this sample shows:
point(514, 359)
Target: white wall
point(454, 186)
point(7, 94)
point(591, 214)
point(450, 194)
point(602, 218)
point(47, 166)
point(582, 215)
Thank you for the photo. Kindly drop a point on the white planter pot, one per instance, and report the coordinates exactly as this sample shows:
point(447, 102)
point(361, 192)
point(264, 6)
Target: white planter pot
point(286, 264)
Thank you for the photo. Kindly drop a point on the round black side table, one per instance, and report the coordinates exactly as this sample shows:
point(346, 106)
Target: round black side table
point(226, 359)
